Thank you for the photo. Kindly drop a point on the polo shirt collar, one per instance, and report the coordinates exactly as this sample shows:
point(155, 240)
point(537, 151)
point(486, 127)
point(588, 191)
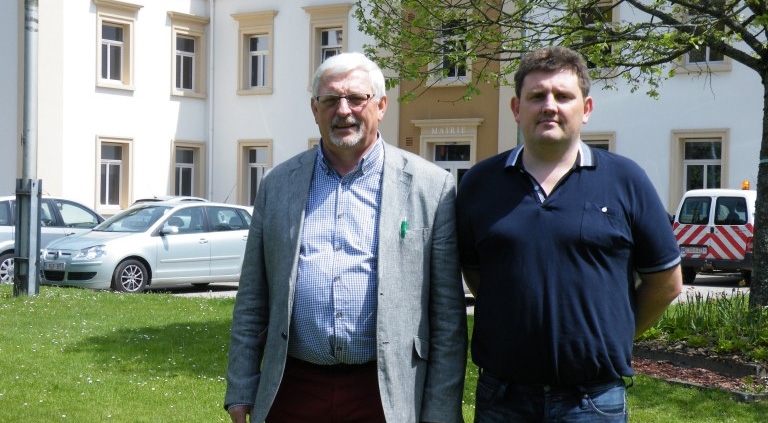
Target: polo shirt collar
point(584, 158)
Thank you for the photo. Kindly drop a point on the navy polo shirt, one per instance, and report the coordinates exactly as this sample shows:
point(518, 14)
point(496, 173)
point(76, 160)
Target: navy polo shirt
point(556, 303)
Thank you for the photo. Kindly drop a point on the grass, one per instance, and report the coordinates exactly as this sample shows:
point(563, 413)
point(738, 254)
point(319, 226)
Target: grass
point(70, 355)
point(721, 324)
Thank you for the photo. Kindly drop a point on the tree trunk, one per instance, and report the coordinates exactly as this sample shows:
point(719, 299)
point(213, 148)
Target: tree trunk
point(758, 295)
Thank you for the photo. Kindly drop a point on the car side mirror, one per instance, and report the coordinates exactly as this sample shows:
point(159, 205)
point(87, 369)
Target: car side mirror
point(169, 230)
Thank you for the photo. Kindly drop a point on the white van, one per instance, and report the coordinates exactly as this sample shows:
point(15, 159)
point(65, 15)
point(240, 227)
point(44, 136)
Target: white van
point(714, 229)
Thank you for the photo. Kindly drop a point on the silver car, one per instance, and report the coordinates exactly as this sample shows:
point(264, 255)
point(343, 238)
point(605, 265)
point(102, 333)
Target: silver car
point(153, 244)
point(58, 218)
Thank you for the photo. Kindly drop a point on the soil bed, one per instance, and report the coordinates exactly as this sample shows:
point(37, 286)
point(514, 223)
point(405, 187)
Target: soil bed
point(745, 381)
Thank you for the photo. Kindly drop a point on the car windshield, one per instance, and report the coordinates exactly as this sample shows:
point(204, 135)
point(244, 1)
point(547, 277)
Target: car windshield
point(135, 219)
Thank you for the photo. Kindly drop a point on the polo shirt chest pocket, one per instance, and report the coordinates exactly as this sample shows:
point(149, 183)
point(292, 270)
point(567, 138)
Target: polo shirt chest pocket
point(604, 225)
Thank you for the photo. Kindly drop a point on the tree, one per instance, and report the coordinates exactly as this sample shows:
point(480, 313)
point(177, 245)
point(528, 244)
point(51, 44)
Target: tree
point(650, 41)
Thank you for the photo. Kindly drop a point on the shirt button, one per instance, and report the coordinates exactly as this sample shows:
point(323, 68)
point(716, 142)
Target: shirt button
point(338, 247)
point(337, 279)
point(338, 314)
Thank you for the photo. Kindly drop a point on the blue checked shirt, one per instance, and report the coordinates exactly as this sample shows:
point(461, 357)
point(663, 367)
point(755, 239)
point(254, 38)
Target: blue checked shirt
point(334, 310)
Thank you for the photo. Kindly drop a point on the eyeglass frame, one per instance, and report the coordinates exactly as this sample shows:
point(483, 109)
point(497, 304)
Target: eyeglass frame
point(338, 98)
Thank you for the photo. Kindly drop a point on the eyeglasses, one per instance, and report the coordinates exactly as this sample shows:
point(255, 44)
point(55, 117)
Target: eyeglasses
point(332, 100)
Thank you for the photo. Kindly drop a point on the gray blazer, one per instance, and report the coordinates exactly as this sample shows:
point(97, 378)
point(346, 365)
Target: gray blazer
point(421, 330)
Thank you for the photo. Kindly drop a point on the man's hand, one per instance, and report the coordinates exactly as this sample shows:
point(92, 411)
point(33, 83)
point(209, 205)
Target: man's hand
point(238, 413)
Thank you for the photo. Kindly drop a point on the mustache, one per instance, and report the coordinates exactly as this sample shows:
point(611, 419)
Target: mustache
point(346, 121)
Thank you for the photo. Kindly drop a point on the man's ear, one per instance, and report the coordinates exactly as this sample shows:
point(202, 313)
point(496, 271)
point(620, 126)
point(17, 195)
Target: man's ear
point(514, 104)
point(382, 107)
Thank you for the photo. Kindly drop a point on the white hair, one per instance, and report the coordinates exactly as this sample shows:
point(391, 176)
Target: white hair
point(346, 62)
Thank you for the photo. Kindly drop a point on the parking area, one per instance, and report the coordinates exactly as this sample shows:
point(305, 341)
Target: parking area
point(726, 284)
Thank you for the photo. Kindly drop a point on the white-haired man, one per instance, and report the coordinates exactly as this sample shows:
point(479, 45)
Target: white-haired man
point(350, 306)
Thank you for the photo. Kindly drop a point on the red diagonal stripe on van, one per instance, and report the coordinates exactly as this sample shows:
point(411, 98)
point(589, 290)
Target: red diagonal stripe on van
point(690, 234)
point(731, 243)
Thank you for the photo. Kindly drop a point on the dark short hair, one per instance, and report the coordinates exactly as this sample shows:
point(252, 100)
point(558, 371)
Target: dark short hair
point(552, 59)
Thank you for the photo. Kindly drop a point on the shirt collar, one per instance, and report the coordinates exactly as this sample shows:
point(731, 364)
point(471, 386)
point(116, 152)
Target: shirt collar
point(584, 158)
point(372, 159)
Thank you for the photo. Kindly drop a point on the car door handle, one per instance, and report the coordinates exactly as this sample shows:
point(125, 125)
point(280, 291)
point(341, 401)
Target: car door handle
point(245, 237)
point(203, 241)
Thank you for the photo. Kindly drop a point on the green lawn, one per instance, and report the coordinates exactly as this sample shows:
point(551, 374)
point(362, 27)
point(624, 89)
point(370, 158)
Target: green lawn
point(70, 355)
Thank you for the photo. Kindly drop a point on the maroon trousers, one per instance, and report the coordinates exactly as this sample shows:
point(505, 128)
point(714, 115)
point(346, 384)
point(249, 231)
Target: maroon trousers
point(310, 393)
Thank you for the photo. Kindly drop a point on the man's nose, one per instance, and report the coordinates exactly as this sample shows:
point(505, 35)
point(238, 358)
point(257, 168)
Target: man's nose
point(550, 104)
point(343, 107)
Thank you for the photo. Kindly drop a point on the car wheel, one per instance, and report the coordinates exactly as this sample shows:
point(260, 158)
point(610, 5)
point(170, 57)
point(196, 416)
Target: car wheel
point(689, 275)
point(6, 268)
point(130, 276)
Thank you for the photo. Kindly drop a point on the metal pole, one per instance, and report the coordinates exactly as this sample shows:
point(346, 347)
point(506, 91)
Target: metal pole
point(28, 188)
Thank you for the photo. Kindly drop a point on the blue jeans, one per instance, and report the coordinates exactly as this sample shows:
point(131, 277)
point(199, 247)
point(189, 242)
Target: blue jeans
point(501, 402)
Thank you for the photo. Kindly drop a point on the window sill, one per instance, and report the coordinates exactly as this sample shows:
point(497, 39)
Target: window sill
point(190, 94)
point(449, 82)
point(114, 85)
point(703, 67)
point(255, 91)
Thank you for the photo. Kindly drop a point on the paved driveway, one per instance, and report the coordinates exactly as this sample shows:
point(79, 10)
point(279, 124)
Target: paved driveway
point(714, 285)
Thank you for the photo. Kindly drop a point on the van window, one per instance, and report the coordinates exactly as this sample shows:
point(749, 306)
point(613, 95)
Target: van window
point(695, 210)
point(731, 211)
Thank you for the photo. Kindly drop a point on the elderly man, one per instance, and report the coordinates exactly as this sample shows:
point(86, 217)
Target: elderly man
point(350, 306)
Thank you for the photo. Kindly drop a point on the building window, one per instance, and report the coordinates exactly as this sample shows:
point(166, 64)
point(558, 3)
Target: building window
point(189, 52)
point(698, 159)
point(453, 42)
point(454, 158)
point(256, 56)
point(605, 141)
point(185, 63)
point(114, 170)
point(597, 14)
point(601, 145)
point(702, 23)
point(259, 58)
point(705, 55)
point(188, 176)
point(331, 42)
point(327, 34)
point(257, 163)
point(703, 59)
point(448, 69)
point(111, 52)
point(115, 26)
point(255, 159)
point(702, 163)
point(185, 172)
point(449, 143)
point(111, 174)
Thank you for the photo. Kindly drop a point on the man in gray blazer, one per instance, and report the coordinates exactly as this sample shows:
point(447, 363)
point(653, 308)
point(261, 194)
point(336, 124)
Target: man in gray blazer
point(350, 306)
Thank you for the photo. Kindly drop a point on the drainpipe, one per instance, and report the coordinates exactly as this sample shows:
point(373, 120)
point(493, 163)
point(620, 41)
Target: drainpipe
point(211, 91)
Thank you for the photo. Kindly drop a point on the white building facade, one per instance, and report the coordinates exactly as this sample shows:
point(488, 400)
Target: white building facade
point(167, 97)
point(143, 98)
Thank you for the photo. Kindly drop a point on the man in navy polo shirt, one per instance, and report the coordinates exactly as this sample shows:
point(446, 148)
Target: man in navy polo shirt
point(551, 235)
